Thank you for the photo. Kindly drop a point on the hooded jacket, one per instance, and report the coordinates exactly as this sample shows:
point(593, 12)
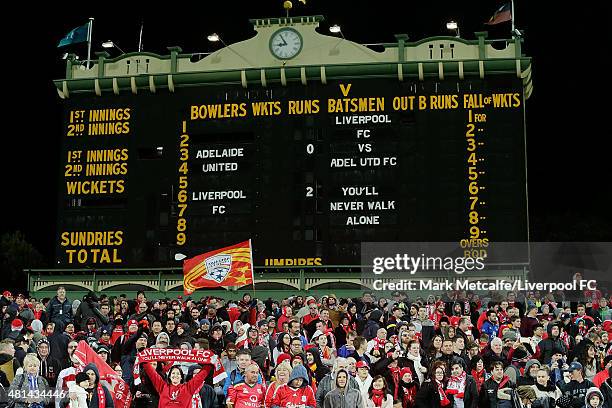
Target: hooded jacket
point(176, 396)
point(349, 398)
point(372, 325)
point(547, 345)
point(287, 395)
point(92, 394)
point(590, 392)
point(328, 383)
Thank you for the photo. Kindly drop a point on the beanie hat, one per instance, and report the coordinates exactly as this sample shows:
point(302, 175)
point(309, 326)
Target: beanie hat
point(43, 340)
point(529, 364)
point(283, 357)
point(80, 377)
point(405, 370)
point(37, 326)
point(162, 337)
point(103, 349)
point(16, 325)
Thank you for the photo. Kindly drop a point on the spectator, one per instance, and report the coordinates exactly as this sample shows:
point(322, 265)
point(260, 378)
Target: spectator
point(248, 393)
point(342, 396)
point(577, 388)
point(29, 390)
point(8, 363)
point(60, 309)
point(327, 384)
point(296, 392)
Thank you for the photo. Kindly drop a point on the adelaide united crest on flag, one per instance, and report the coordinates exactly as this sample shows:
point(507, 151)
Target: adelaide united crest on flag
point(229, 266)
point(218, 266)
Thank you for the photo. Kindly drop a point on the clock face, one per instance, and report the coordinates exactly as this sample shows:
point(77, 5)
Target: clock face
point(286, 43)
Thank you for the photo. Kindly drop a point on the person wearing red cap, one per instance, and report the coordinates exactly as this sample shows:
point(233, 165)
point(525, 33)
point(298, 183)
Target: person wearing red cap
point(408, 388)
point(6, 299)
point(363, 378)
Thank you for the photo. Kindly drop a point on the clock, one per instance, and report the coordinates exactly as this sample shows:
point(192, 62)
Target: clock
point(286, 43)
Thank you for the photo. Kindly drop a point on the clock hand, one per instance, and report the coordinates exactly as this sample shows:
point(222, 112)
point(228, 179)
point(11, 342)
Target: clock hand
point(280, 45)
point(284, 42)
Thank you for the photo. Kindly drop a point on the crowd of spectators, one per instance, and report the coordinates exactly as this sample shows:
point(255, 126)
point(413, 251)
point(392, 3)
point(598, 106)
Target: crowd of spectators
point(456, 349)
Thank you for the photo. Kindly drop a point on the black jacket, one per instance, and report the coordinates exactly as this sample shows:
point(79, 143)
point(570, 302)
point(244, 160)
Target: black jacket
point(92, 398)
point(60, 312)
point(488, 392)
point(428, 396)
point(577, 391)
point(50, 369)
point(547, 345)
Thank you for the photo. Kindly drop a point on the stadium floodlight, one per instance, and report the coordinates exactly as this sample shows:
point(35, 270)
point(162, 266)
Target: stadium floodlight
point(111, 44)
point(335, 29)
point(179, 256)
point(453, 26)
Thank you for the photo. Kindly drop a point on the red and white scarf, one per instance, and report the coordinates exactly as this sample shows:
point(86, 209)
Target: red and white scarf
point(379, 343)
point(441, 394)
point(178, 355)
point(456, 385)
point(101, 396)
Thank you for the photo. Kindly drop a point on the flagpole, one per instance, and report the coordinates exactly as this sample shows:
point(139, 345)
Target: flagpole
point(89, 33)
point(140, 37)
point(252, 266)
point(512, 16)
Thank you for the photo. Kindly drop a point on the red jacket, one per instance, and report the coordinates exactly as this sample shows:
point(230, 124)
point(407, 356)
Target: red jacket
point(287, 396)
point(176, 396)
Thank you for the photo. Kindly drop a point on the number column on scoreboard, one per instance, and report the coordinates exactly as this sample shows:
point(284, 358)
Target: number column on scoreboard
point(183, 184)
point(475, 133)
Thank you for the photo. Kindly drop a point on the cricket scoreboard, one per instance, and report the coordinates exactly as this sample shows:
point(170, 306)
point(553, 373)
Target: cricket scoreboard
point(307, 171)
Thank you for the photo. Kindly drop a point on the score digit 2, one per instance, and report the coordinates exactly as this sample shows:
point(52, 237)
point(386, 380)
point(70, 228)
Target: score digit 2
point(183, 182)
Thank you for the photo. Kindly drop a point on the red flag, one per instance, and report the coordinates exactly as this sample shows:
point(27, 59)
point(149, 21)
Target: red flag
point(229, 266)
point(108, 377)
point(502, 14)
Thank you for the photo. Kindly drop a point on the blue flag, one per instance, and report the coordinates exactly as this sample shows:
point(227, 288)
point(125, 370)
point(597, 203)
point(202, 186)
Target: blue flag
point(78, 35)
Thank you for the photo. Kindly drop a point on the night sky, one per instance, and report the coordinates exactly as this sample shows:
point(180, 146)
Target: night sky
point(569, 169)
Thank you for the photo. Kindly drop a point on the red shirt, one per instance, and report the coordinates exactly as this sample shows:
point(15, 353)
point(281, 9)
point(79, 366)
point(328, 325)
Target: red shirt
point(176, 396)
point(287, 396)
point(244, 396)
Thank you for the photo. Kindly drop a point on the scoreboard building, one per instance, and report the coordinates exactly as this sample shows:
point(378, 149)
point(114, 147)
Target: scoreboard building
point(308, 144)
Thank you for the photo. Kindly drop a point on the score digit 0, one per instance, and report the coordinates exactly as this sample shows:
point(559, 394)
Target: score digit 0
point(181, 222)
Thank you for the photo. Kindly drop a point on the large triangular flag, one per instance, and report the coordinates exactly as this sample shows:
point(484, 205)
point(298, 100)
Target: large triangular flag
point(502, 14)
point(229, 266)
point(78, 35)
